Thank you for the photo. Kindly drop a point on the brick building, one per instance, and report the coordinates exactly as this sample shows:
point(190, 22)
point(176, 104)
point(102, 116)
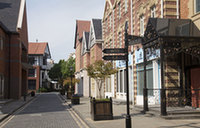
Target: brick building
point(82, 29)
point(38, 53)
point(116, 13)
point(95, 47)
point(13, 49)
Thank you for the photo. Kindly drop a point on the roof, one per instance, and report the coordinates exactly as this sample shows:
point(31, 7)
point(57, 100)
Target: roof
point(9, 12)
point(158, 27)
point(37, 48)
point(80, 27)
point(97, 28)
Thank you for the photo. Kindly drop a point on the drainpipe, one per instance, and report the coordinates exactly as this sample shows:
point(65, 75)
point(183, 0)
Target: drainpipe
point(162, 9)
point(9, 53)
point(177, 8)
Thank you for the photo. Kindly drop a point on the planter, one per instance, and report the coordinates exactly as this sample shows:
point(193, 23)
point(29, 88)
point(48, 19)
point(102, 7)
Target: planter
point(32, 93)
point(75, 99)
point(62, 92)
point(69, 94)
point(101, 109)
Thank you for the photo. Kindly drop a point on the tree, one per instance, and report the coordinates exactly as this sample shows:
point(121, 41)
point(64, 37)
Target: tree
point(60, 71)
point(100, 71)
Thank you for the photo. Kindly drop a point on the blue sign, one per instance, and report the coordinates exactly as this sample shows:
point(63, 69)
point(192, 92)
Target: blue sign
point(122, 63)
point(150, 55)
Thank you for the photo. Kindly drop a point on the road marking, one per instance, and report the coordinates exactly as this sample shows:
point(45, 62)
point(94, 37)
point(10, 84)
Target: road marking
point(75, 116)
point(9, 118)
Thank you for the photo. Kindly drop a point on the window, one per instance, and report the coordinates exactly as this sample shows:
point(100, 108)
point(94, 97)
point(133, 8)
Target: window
point(149, 78)
point(31, 60)
point(120, 39)
point(110, 20)
point(142, 25)
point(32, 84)
point(44, 61)
point(119, 10)
point(121, 81)
point(126, 5)
point(32, 72)
point(1, 43)
point(153, 12)
point(1, 86)
point(108, 85)
point(197, 6)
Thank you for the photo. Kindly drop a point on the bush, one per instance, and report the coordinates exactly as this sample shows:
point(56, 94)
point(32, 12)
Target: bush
point(43, 90)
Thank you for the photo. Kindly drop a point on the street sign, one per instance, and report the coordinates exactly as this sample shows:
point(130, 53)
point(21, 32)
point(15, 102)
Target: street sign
point(115, 57)
point(114, 50)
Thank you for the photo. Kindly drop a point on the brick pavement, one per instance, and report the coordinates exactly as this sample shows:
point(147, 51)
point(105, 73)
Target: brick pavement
point(46, 111)
point(139, 120)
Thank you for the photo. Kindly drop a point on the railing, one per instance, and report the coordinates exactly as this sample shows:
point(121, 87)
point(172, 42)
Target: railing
point(173, 98)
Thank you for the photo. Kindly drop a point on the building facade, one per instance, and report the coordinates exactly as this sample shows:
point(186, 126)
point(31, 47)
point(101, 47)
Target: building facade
point(38, 55)
point(116, 14)
point(13, 49)
point(82, 59)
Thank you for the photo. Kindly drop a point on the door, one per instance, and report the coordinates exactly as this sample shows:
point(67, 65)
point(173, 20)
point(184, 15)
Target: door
point(195, 84)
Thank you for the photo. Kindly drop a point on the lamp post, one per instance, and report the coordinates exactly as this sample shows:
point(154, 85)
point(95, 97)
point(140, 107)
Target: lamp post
point(71, 69)
point(128, 117)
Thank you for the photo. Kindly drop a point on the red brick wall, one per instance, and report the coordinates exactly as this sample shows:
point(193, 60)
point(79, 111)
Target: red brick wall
point(184, 10)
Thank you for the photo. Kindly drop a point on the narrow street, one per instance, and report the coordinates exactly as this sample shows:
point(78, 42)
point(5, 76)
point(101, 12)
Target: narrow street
point(46, 111)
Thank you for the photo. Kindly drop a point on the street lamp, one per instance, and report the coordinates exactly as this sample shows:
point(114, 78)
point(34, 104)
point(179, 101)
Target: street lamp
point(71, 70)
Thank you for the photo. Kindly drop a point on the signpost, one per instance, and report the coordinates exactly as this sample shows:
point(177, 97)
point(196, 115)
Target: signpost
point(122, 57)
point(114, 50)
point(115, 57)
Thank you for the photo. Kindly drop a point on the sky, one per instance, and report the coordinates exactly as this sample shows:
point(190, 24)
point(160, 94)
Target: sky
point(54, 21)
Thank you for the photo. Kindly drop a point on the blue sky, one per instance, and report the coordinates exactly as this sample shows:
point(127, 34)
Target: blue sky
point(53, 21)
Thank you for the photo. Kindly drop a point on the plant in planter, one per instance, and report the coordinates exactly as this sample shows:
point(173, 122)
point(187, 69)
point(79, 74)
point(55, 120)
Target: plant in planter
point(101, 109)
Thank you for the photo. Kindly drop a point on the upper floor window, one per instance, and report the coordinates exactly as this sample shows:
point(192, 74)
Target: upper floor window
point(1, 43)
point(197, 3)
point(153, 12)
point(120, 39)
point(32, 60)
point(119, 10)
point(44, 61)
point(142, 25)
point(32, 72)
point(126, 5)
point(110, 20)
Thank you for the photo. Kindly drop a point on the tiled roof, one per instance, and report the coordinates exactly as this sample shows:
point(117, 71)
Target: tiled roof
point(97, 28)
point(9, 12)
point(37, 48)
point(80, 27)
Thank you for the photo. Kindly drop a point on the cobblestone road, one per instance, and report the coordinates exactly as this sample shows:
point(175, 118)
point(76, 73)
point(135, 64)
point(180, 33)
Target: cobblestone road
point(46, 111)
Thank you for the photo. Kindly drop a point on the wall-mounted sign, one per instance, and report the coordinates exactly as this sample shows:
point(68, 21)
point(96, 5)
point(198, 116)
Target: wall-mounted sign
point(150, 55)
point(122, 64)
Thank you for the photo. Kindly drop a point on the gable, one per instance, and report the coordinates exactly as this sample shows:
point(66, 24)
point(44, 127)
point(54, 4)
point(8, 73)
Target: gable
point(107, 9)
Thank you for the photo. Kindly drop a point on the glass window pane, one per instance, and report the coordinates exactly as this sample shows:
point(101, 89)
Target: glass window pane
point(150, 81)
point(125, 81)
point(121, 81)
point(140, 82)
point(197, 5)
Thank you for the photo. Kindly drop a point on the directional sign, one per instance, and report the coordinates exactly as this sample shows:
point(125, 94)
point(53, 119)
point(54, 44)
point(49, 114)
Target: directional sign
point(115, 57)
point(114, 50)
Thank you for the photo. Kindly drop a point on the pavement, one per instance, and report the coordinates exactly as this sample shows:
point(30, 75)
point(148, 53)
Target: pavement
point(9, 106)
point(139, 120)
point(45, 111)
point(42, 108)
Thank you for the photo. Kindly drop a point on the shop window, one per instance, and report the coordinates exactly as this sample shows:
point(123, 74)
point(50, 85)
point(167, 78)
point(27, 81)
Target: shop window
point(149, 78)
point(108, 85)
point(1, 85)
point(121, 80)
point(32, 84)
